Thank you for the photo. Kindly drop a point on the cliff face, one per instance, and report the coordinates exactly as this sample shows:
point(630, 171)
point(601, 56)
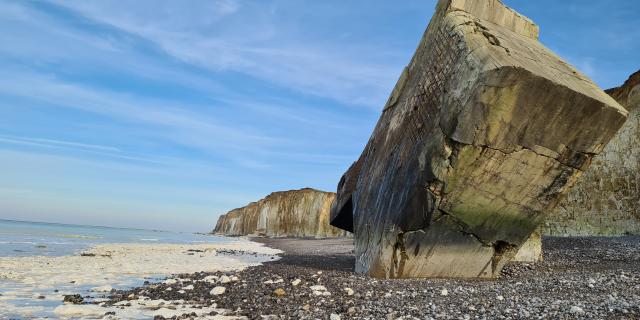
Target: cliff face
point(606, 200)
point(296, 213)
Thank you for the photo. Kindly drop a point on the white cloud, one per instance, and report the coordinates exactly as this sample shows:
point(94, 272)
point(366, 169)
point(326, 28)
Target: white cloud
point(253, 41)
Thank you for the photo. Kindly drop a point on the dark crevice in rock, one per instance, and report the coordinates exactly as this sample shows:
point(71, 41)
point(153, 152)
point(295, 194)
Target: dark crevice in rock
point(462, 227)
point(501, 250)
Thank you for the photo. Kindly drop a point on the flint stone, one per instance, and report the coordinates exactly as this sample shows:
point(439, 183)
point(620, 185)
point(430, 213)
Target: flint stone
point(483, 134)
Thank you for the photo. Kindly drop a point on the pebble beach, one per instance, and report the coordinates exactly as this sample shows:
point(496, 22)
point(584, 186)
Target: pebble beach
point(580, 278)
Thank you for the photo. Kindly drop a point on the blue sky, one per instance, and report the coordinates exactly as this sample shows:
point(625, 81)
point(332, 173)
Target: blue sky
point(165, 114)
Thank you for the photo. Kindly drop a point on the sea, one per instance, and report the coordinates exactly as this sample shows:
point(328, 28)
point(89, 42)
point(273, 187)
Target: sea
point(22, 239)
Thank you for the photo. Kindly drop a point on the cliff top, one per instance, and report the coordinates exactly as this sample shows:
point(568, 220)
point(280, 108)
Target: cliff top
point(282, 193)
point(627, 93)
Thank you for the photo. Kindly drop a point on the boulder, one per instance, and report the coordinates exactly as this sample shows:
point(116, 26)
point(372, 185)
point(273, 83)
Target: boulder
point(295, 213)
point(483, 134)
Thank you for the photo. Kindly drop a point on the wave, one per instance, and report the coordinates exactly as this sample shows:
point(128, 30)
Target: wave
point(148, 239)
point(77, 236)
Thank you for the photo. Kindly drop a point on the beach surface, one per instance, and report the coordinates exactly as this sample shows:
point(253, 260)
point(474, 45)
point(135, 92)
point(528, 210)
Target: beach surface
point(580, 278)
point(35, 286)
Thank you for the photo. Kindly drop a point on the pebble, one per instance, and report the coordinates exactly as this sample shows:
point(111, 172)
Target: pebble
point(224, 279)
point(334, 316)
point(279, 292)
point(444, 292)
point(349, 291)
point(218, 291)
point(576, 310)
point(296, 282)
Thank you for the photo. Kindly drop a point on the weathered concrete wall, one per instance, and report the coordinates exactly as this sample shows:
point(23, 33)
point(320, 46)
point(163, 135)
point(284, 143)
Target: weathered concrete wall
point(296, 213)
point(606, 200)
point(483, 134)
point(531, 250)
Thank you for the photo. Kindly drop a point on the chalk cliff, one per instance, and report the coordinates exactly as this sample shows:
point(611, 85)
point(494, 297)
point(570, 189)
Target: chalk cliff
point(295, 213)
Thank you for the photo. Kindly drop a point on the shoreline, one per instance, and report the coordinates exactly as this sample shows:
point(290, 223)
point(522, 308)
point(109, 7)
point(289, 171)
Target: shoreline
point(35, 286)
point(580, 278)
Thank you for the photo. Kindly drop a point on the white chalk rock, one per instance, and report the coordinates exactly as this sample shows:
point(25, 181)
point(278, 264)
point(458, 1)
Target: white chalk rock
point(218, 291)
point(318, 288)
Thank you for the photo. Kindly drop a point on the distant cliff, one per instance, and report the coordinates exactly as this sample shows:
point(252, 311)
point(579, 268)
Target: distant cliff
point(295, 213)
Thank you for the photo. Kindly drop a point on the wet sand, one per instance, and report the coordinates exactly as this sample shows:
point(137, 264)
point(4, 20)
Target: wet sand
point(36, 285)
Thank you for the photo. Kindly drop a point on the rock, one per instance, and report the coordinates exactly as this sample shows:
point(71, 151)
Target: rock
point(224, 279)
point(318, 288)
point(170, 281)
point(484, 133)
point(351, 311)
point(334, 316)
point(500, 298)
point(349, 291)
point(210, 279)
point(73, 298)
point(296, 282)
point(576, 310)
point(295, 213)
point(217, 291)
point(604, 202)
point(279, 292)
point(189, 287)
point(444, 292)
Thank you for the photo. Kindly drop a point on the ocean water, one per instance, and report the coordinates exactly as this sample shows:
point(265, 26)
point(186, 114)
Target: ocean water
point(24, 239)
point(19, 238)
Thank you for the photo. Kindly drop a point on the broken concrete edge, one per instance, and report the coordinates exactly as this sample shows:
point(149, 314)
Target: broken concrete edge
point(493, 11)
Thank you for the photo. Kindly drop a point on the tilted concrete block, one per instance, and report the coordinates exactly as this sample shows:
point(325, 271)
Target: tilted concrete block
point(483, 134)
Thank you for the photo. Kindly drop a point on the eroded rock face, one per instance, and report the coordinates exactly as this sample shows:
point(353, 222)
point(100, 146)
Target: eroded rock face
point(296, 213)
point(483, 134)
point(606, 200)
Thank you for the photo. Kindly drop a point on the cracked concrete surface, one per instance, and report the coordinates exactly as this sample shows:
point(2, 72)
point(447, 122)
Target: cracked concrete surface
point(483, 134)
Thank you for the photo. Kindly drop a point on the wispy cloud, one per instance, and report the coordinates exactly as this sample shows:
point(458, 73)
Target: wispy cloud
point(218, 38)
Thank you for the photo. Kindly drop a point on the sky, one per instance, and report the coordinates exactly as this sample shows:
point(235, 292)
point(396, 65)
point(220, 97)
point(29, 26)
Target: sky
point(165, 114)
